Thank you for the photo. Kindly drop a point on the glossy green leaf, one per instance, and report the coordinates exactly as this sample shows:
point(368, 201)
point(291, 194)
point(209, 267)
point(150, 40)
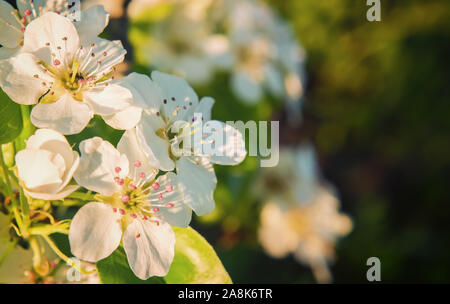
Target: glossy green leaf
point(27, 130)
point(10, 119)
point(195, 262)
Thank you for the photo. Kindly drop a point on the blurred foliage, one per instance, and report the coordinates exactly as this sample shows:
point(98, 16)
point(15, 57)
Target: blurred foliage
point(376, 107)
point(378, 100)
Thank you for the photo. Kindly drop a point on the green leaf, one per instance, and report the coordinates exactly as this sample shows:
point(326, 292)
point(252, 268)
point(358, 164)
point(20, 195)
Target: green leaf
point(10, 119)
point(27, 130)
point(195, 262)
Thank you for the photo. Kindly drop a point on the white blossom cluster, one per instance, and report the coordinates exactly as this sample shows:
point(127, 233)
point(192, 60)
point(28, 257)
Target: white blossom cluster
point(150, 181)
point(243, 38)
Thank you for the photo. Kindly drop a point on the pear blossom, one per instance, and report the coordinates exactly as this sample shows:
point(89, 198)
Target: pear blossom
point(13, 22)
point(132, 207)
point(308, 231)
point(176, 132)
point(243, 38)
point(46, 166)
point(265, 55)
point(300, 213)
point(182, 42)
point(66, 80)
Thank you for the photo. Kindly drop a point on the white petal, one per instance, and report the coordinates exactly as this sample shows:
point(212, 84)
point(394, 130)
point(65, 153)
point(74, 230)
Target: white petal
point(63, 193)
point(197, 183)
point(177, 95)
point(99, 159)
point(70, 171)
point(18, 78)
point(155, 148)
point(173, 209)
point(150, 248)
point(51, 29)
point(66, 115)
point(246, 88)
point(52, 141)
point(129, 145)
point(228, 147)
point(92, 22)
point(103, 55)
point(146, 93)
point(109, 100)
point(95, 232)
point(125, 119)
point(9, 37)
point(204, 107)
point(40, 170)
point(274, 234)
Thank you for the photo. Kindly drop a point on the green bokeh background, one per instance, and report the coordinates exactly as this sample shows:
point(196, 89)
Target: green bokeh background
point(376, 107)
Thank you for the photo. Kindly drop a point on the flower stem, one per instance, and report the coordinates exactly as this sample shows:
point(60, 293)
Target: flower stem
point(64, 257)
point(82, 196)
point(15, 205)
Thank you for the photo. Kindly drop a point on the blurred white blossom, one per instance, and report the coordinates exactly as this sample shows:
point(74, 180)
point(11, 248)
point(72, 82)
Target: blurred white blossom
point(300, 213)
point(244, 38)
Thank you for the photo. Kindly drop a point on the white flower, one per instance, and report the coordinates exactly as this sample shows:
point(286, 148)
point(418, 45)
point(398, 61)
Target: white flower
point(14, 260)
point(47, 165)
point(265, 52)
point(14, 22)
point(244, 38)
point(182, 42)
point(308, 231)
point(69, 81)
point(301, 213)
point(132, 207)
point(170, 120)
